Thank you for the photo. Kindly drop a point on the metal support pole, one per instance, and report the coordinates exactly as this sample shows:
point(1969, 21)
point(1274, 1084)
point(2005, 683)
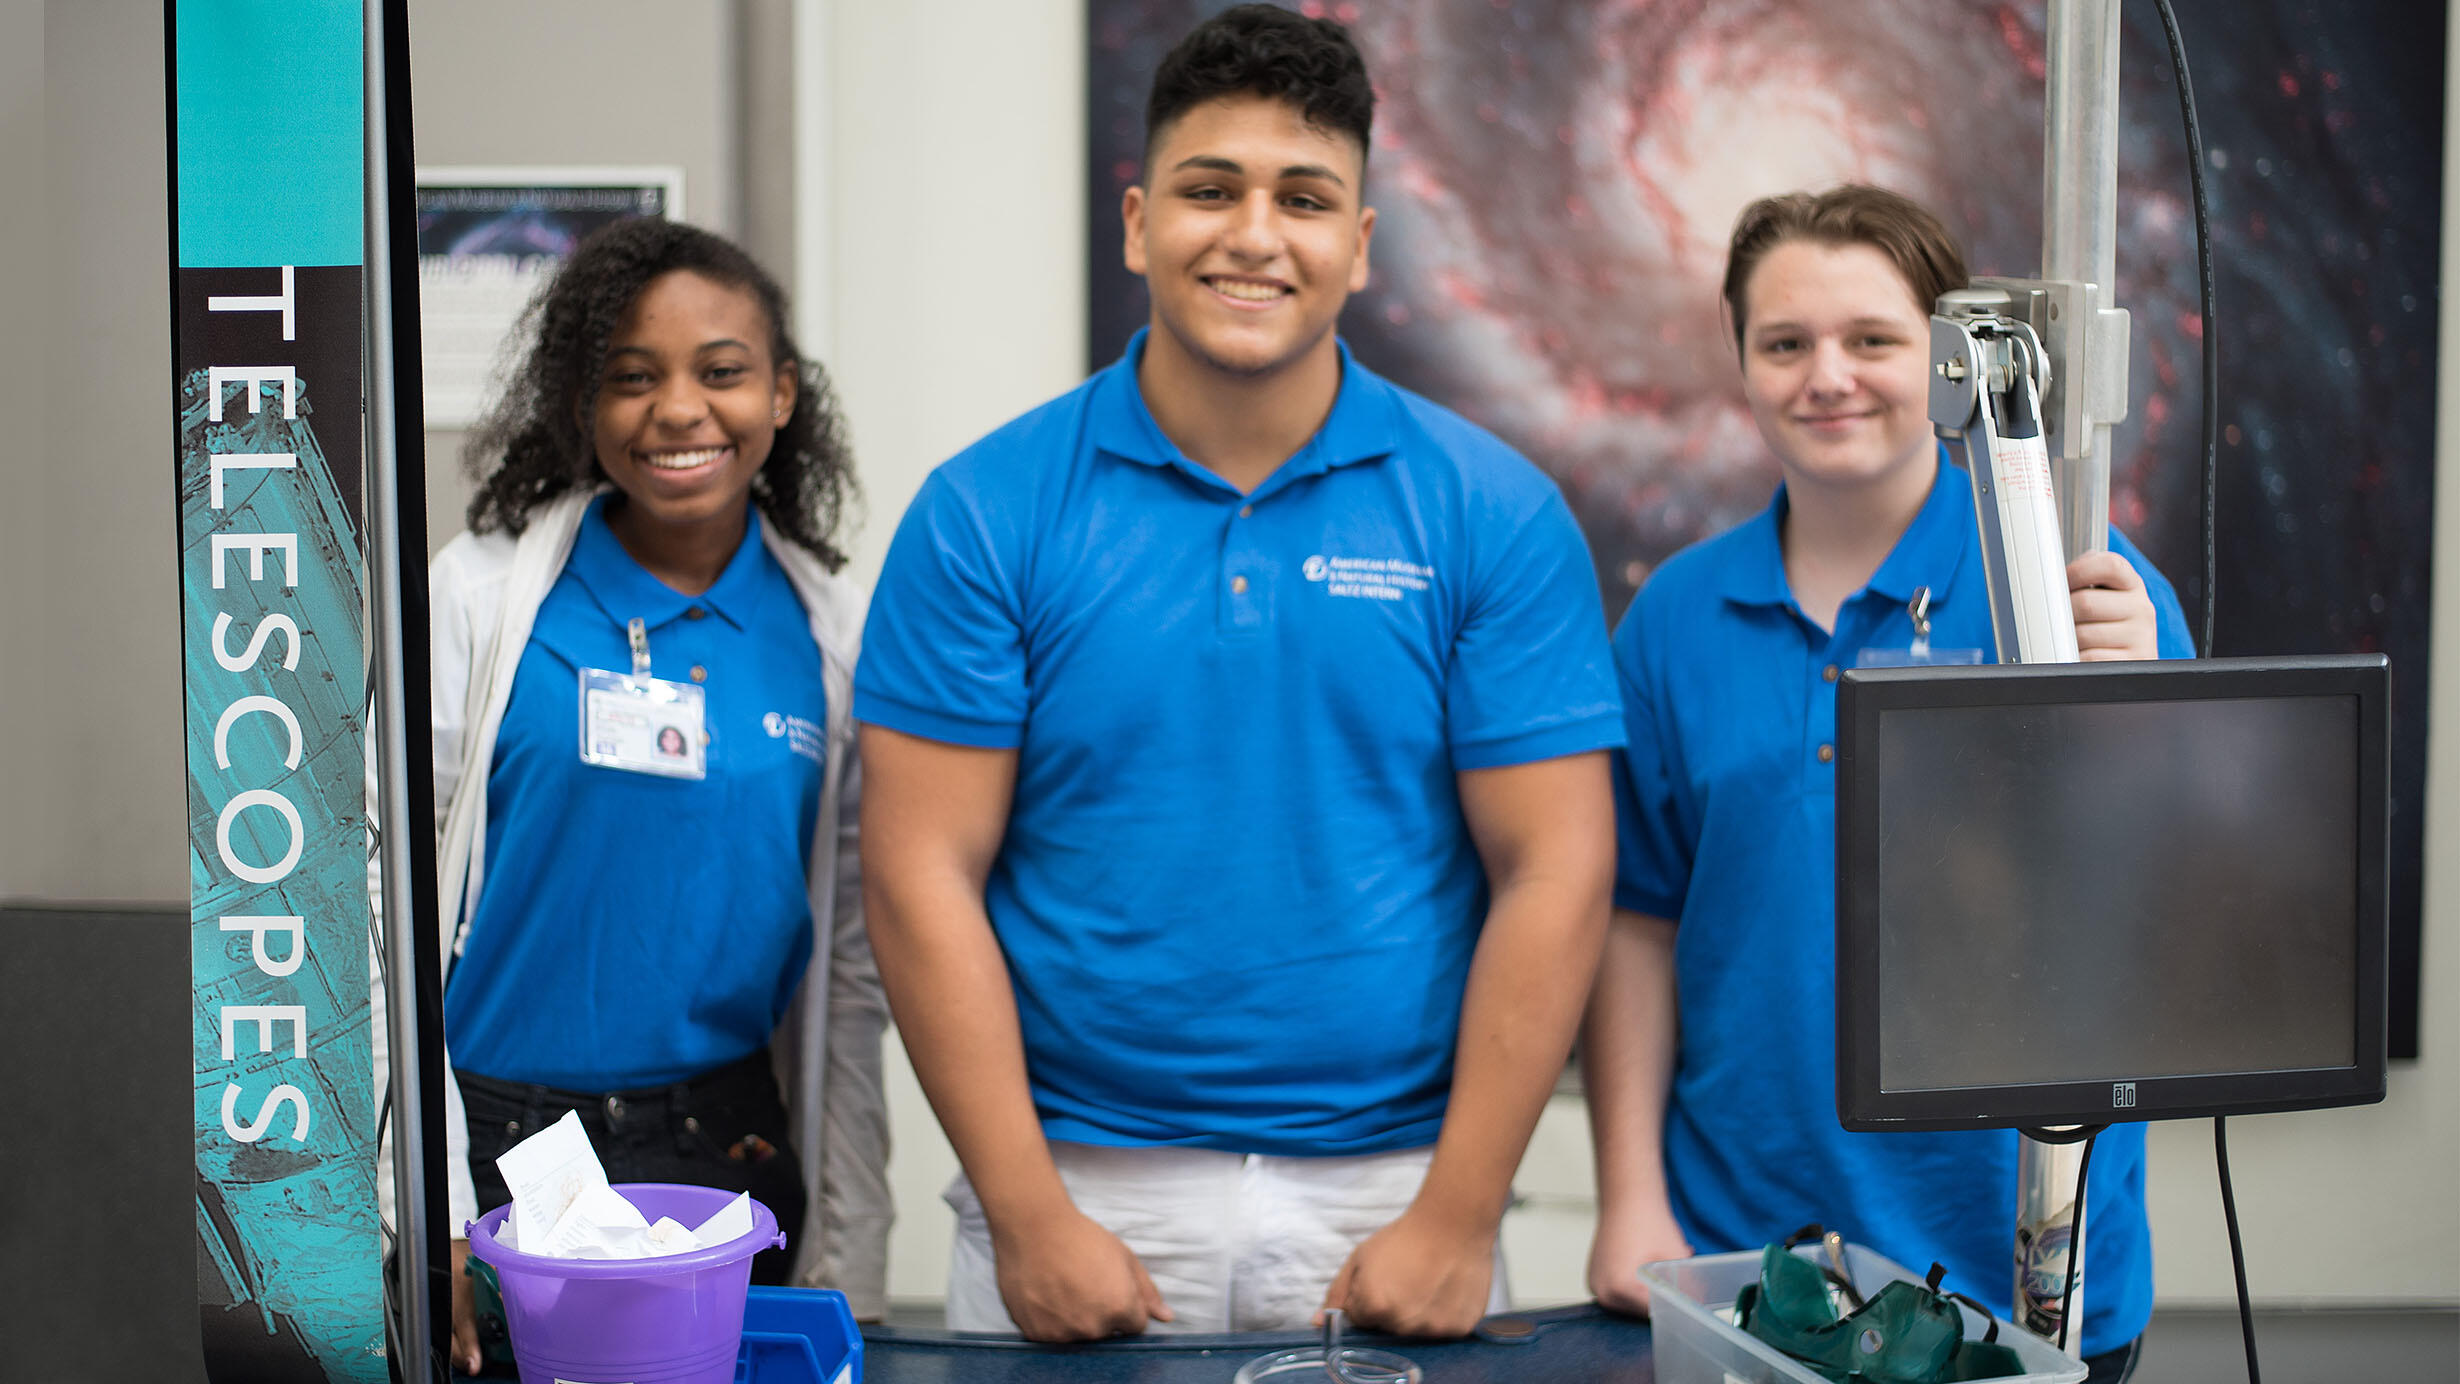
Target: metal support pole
point(2079, 244)
point(2088, 342)
point(2079, 226)
point(401, 881)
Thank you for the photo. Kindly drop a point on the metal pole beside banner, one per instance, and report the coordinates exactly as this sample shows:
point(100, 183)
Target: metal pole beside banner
point(397, 613)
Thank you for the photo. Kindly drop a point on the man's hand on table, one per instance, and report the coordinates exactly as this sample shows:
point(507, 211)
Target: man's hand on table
point(1422, 1275)
point(1622, 1245)
point(1066, 1278)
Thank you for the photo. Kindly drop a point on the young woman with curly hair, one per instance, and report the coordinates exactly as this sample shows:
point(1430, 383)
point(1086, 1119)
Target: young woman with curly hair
point(661, 941)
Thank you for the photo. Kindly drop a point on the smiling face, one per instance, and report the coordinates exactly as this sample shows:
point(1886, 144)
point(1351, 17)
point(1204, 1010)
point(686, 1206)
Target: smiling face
point(1249, 234)
point(1836, 366)
point(690, 402)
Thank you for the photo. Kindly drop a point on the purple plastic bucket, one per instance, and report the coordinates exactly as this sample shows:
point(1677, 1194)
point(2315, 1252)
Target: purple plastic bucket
point(671, 1320)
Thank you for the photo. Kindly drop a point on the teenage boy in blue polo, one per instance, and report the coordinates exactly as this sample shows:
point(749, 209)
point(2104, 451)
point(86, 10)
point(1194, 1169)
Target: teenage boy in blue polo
point(1709, 1052)
point(1237, 832)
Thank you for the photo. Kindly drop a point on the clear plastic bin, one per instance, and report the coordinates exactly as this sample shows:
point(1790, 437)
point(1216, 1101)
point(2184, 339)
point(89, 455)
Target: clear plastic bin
point(1691, 1303)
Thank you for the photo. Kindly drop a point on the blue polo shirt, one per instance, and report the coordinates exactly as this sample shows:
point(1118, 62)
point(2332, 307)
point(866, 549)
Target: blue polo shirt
point(1726, 804)
point(636, 930)
point(1236, 894)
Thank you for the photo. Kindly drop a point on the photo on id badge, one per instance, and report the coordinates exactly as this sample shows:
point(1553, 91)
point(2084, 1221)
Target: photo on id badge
point(1918, 653)
point(643, 725)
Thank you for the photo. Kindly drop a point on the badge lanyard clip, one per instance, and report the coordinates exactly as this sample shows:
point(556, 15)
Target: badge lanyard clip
point(640, 724)
point(1920, 654)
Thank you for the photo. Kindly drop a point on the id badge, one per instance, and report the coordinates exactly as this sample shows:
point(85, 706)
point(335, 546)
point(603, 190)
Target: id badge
point(1919, 656)
point(643, 725)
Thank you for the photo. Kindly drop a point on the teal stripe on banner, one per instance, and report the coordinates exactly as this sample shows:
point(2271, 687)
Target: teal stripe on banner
point(270, 104)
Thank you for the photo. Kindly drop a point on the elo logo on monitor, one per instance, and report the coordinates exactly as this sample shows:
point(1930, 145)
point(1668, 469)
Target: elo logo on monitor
point(2122, 1095)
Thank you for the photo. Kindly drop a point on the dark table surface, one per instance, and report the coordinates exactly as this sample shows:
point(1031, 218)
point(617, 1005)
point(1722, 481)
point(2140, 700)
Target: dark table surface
point(1574, 1345)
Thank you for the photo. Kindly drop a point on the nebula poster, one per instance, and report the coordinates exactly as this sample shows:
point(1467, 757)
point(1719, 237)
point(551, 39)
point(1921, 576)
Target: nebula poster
point(1555, 181)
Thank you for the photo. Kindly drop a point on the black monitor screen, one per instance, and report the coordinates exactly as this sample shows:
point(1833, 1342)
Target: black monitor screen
point(2081, 885)
point(2019, 880)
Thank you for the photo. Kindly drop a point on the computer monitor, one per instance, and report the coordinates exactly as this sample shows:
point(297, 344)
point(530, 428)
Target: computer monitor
point(2086, 893)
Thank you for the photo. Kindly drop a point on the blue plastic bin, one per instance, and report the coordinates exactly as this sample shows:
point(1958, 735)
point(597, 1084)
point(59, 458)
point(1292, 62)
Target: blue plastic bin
point(799, 1336)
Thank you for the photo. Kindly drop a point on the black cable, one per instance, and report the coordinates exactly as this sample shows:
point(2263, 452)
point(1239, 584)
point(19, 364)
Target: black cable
point(2075, 1241)
point(2237, 1252)
point(2204, 293)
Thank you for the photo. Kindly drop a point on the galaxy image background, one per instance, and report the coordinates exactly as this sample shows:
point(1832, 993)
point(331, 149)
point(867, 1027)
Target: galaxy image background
point(1555, 180)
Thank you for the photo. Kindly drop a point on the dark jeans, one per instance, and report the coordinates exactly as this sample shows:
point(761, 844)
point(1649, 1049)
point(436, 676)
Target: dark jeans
point(2114, 1366)
point(724, 1128)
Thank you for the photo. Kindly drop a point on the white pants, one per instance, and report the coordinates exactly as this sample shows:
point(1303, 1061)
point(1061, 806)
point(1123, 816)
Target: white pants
point(1235, 1242)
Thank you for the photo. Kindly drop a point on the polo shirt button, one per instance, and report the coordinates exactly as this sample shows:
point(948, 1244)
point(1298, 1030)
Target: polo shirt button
point(1827, 753)
point(1828, 672)
point(696, 613)
point(1247, 511)
point(1238, 586)
point(699, 674)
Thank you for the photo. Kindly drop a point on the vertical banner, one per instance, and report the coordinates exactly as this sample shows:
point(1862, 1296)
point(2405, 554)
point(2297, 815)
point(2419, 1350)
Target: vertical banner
point(268, 175)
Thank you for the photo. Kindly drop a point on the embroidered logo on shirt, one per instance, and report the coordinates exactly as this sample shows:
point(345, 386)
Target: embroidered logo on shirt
point(1368, 578)
point(801, 736)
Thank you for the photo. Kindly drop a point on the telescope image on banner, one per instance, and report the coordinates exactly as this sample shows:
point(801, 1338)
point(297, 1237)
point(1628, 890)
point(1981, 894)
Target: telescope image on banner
point(266, 307)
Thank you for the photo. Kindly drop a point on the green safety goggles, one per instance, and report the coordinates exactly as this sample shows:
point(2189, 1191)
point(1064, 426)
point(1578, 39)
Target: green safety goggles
point(1908, 1333)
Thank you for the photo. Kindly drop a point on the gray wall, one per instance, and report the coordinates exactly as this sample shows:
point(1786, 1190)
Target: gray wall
point(88, 619)
point(24, 309)
point(638, 82)
point(89, 634)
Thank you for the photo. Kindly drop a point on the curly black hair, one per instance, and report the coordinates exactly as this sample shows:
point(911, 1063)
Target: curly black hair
point(1265, 50)
point(534, 443)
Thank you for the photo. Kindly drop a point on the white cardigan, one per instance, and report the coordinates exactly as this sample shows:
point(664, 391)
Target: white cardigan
point(484, 594)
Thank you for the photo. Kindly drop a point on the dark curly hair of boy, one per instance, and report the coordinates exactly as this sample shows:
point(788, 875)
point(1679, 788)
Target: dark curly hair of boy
point(1265, 50)
point(534, 444)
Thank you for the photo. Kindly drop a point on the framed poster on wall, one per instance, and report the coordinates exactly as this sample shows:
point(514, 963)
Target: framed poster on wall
point(488, 238)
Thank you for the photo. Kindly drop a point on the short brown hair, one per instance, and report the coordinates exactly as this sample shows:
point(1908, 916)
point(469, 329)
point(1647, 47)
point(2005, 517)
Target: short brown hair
point(1916, 242)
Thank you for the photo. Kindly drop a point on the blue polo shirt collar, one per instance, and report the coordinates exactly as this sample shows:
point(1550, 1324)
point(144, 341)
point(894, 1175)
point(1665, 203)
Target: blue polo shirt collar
point(1758, 578)
point(1364, 424)
point(1933, 546)
point(1929, 553)
point(626, 591)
